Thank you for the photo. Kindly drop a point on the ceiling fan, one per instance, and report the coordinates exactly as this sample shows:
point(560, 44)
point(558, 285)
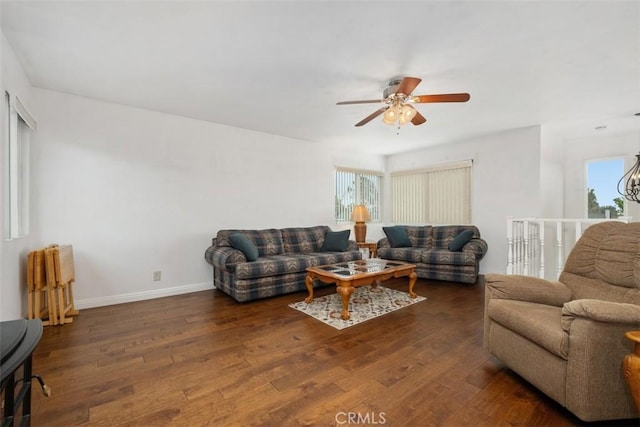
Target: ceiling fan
point(398, 99)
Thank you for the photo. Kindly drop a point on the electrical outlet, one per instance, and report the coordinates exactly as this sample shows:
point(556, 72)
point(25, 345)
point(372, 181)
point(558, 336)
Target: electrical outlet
point(157, 276)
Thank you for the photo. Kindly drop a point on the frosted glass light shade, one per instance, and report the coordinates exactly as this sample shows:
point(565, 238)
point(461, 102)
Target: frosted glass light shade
point(389, 117)
point(407, 113)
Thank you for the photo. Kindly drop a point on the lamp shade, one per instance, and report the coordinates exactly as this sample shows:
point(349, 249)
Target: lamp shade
point(407, 113)
point(360, 213)
point(389, 117)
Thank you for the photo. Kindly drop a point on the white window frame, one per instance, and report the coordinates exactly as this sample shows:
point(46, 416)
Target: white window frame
point(355, 196)
point(420, 196)
point(16, 178)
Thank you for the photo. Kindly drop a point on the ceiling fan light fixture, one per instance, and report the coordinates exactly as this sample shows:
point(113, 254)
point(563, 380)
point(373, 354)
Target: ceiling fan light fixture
point(398, 99)
point(407, 113)
point(390, 116)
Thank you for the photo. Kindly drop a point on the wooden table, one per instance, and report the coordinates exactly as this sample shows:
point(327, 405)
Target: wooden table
point(372, 246)
point(631, 367)
point(349, 275)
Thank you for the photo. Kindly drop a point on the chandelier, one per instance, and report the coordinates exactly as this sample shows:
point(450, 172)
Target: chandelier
point(631, 179)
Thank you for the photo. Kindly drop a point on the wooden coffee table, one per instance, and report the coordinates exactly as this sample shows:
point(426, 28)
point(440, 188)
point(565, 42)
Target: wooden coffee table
point(349, 275)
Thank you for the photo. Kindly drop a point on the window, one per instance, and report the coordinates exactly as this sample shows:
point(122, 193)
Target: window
point(438, 195)
point(356, 187)
point(17, 168)
point(603, 200)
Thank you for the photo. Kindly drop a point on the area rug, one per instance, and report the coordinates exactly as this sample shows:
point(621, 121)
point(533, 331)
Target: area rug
point(366, 303)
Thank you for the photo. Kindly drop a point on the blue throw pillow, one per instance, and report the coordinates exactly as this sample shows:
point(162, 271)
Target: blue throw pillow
point(460, 240)
point(398, 237)
point(335, 241)
point(242, 243)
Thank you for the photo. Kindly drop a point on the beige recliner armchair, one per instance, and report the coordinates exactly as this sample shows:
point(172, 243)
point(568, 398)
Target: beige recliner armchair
point(566, 337)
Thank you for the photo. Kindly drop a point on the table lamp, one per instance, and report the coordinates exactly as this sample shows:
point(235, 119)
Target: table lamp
point(360, 214)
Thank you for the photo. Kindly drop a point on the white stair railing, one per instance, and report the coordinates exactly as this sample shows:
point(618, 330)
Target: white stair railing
point(527, 253)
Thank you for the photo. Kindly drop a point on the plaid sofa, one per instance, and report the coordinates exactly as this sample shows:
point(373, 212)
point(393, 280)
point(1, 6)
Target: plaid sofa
point(283, 257)
point(430, 253)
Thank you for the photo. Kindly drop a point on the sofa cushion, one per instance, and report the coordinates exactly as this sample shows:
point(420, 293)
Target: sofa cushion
point(242, 243)
point(290, 263)
point(401, 254)
point(538, 323)
point(303, 239)
point(420, 236)
point(335, 241)
point(460, 240)
point(398, 237)
point(446, 257)
point(268, 242)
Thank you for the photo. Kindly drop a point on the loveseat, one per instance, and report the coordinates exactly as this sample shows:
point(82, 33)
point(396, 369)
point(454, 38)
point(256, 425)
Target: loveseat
point(566, 337)
point(445, 252)
point(254, 264)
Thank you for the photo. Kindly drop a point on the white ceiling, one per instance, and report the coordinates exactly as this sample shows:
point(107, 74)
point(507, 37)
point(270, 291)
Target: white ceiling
point(280, 67)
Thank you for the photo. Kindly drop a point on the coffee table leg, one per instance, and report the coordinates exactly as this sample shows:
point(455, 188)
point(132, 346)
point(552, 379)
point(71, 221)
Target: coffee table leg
point(345, 293)
point(309, 283)
point(413, 277)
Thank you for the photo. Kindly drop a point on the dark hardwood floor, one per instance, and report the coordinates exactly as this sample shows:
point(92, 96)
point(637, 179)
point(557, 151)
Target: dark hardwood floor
point(203, 359)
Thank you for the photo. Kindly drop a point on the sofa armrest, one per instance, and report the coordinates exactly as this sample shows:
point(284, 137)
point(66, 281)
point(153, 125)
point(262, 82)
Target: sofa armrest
point(601, 311)
point(352, 246)
point(476, 246)
point(224, 256)
point(384, 243)
point(527, 288)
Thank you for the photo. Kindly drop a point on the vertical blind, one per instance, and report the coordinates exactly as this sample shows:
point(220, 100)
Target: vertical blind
point(438, 195)
point(357, 187)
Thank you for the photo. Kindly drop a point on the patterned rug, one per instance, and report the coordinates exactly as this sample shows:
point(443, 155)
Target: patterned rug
point(366, 303)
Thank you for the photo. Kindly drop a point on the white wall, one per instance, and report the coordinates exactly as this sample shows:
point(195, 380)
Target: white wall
point(601, 146)
point(506, 177)
point(551, 174)
point(136, 191)
point(12, 252)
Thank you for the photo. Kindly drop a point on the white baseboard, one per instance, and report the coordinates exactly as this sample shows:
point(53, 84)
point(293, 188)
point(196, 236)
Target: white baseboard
point(140, 296)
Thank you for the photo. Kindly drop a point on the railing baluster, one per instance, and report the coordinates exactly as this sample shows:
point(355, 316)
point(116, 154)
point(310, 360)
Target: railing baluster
point(559, 239)
point(510, 222)
point(578, 230)
point(541, 233)
point(525, 244)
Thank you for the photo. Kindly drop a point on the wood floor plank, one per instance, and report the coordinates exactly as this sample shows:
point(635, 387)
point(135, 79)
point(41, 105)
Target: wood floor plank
point(203, 359)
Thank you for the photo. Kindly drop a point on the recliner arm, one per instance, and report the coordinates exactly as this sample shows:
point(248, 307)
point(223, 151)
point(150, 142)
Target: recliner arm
point(527, 288)
point(600, 311)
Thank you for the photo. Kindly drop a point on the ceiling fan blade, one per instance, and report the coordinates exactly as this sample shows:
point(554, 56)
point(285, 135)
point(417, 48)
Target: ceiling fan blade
point(418, 119)
point(372, 116)
point(408, 84)
point(445, 97)
point(370, 101)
